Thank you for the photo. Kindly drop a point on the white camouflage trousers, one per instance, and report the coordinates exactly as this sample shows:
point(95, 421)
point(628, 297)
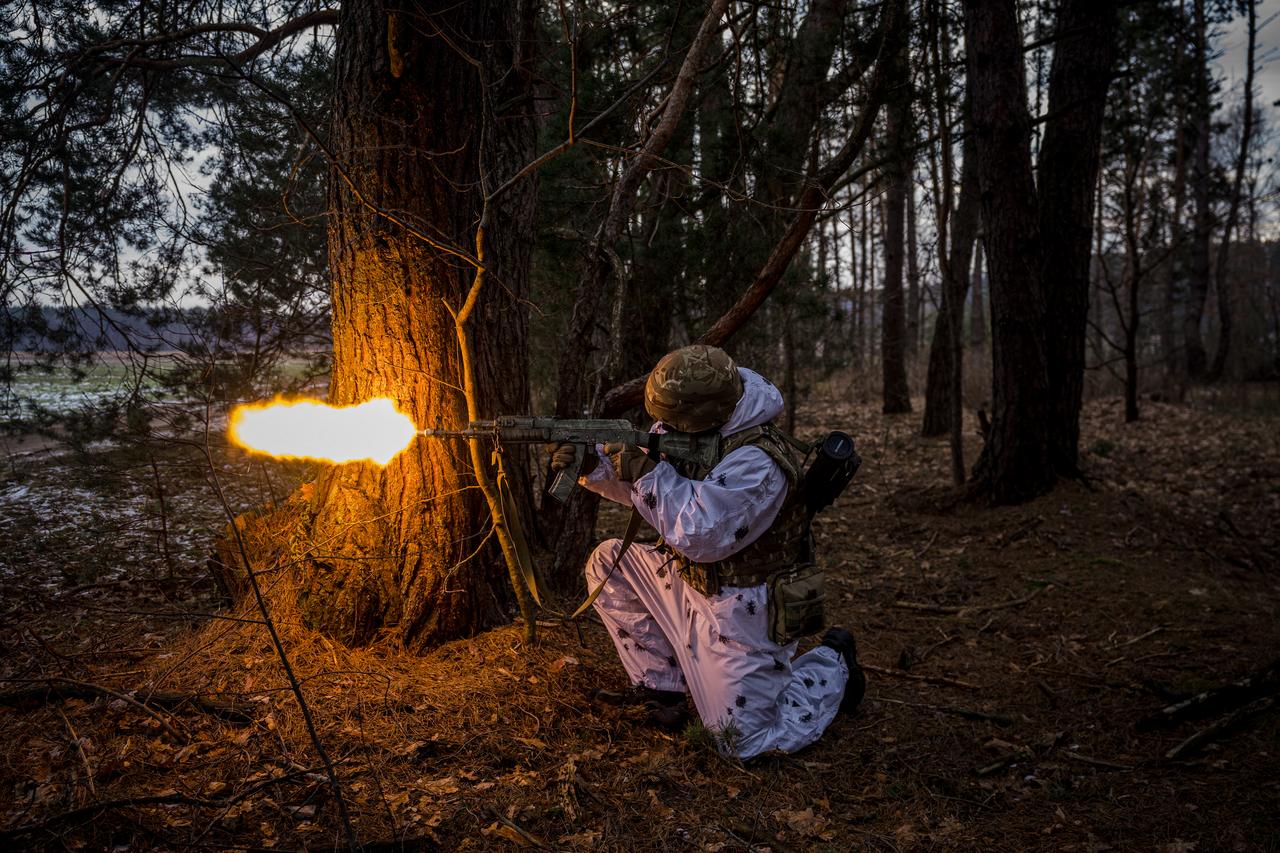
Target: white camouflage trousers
point(747, 689)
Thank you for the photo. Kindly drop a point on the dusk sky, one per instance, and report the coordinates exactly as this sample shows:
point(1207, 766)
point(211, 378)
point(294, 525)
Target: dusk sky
point(1232, 43)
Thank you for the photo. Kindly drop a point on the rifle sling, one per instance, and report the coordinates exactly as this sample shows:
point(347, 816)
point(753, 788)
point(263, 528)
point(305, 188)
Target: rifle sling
point(633, 528)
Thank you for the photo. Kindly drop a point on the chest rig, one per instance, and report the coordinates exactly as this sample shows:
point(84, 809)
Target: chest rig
point(788, 540)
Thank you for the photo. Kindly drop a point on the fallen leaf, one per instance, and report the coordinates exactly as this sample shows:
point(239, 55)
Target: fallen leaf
point(439, 787)
point(588, 840)
point(502, 830)
point(803, 821)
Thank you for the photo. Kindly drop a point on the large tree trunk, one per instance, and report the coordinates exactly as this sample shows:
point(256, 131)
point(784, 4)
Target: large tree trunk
point(787, 135)
point(862, 282)
point(1068, 176)
point(948, 332)
point(978, 304)
point(1170, 353)
point(412, 134)
point(915, 298)
point(723, 267)
point(1015, 464)
point(896, 397)
point(1223, 279)
point(1196, 361)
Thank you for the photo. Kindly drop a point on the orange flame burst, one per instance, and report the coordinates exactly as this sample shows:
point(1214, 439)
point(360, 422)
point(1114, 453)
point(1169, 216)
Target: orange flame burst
point(308, 429)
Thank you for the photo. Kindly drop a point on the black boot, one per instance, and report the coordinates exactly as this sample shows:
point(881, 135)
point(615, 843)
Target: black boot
point(842, 641)
point(668, 717)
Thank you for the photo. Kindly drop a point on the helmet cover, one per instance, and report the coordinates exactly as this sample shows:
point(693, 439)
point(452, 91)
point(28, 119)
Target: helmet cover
point(693, 389)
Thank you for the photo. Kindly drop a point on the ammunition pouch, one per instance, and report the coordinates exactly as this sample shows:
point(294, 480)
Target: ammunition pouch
point(797, 596)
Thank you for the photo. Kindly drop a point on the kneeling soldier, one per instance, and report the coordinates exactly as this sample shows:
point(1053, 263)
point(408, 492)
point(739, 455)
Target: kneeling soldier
point(690, 613)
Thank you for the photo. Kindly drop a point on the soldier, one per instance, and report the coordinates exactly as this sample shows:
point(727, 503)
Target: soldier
point(689, 613)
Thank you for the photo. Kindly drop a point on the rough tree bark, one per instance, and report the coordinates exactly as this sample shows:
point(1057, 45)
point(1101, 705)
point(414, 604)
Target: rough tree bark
point(957, 231)
point(1196, 359)
point(1222, 278)
point(788, 131)
point(895, 396)
point(1070, 154)
point(1015, 462)
point(946, 348)
point(978, 304)
point(1037, 240)
point(915, 295)
point(404, 547)
point(1170, 353)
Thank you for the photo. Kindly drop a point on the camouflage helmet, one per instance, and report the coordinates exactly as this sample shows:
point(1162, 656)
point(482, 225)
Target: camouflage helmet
point(693, 389)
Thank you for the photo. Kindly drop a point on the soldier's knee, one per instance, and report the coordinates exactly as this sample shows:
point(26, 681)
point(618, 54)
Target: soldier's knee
point(601, 559)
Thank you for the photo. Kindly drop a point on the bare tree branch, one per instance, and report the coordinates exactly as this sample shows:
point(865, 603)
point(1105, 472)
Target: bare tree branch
point(267, 39)
point(811, 201)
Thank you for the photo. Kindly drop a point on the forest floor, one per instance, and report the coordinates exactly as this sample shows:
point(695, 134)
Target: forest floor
point(1013, 653)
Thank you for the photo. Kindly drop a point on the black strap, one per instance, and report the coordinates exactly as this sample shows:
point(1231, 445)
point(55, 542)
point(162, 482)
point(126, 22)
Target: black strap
point(633, 528)
point(802, 446)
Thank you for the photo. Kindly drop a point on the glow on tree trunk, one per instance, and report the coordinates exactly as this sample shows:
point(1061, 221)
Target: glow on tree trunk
point(374, 430)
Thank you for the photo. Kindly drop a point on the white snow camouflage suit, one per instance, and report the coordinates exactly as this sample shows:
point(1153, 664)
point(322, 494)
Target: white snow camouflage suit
point(746, 688)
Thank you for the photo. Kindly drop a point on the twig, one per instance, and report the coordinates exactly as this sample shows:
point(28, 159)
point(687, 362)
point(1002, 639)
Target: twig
point(542, 159)
point(75, 739)
point(998, 765)
point(94, 809)
point(966, 713)
point(85, 688)
point(45, 689)
point(933, 648)
point(965, 610)
point(501, 524)
point(814, 197)
point(1019, 532)
point(1221, 699)
point(523, 833)
point(927, 545)
point(931, 679)
point(1141, 637)
point(1097, 762)
point(261, 601)
point(1237, 717)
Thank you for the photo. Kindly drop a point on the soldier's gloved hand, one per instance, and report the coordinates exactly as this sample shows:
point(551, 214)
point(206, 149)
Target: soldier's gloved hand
point(562, 456)
point(631, 463)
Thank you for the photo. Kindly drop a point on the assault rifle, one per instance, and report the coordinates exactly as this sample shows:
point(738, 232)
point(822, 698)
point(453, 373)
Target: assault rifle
point(702, 448)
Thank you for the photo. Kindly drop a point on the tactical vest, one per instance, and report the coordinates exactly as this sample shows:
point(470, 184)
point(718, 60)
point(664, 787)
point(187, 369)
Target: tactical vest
point(788, 540)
